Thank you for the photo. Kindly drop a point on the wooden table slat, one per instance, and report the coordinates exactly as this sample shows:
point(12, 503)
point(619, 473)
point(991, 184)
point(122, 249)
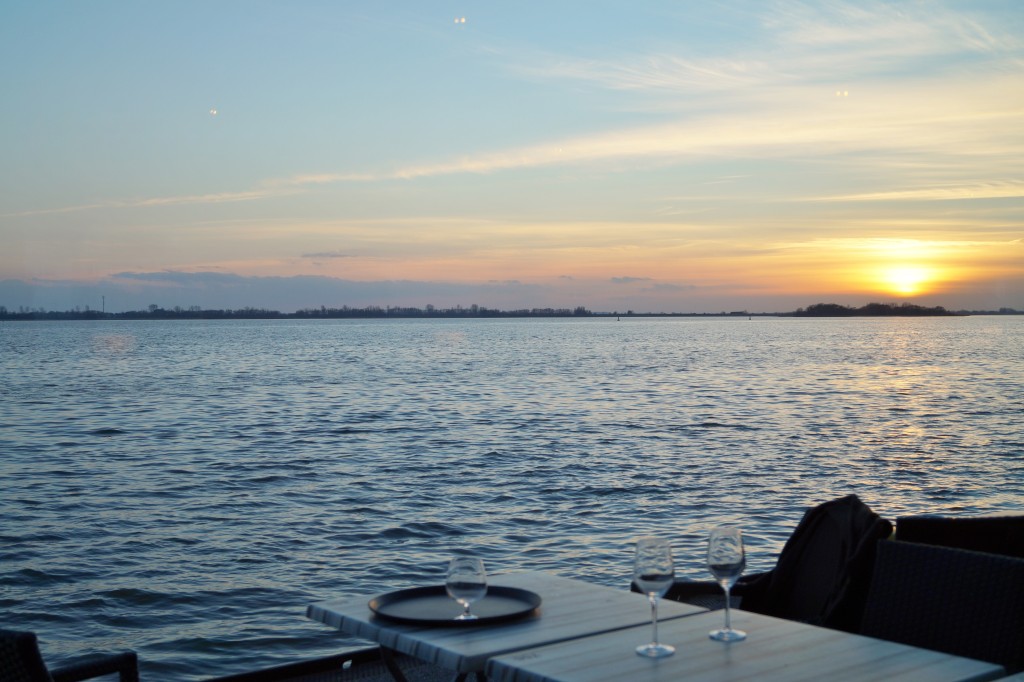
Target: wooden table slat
point(775, 650)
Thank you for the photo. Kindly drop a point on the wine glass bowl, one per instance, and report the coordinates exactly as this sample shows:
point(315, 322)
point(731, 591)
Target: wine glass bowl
point(466, 583)
point(726, 561)
point(653, 573)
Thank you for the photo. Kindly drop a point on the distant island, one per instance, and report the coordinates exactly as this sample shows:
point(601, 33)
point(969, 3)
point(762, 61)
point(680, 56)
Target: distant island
point(872, 310)
point(154, 312)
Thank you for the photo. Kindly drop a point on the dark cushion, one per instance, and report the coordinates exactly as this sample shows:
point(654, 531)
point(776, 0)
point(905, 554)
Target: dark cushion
point(992, 534)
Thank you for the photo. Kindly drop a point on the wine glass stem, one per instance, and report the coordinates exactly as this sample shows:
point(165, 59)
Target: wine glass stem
point(654, 617)
point(728, 620)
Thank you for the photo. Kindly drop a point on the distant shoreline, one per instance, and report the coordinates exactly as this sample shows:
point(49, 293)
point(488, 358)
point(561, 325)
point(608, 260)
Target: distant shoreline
point(475, 312)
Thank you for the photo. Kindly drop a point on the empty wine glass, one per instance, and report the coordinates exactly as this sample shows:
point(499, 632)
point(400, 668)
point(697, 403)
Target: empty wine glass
point(466, 583)
point(726, 560)
point(653, 573)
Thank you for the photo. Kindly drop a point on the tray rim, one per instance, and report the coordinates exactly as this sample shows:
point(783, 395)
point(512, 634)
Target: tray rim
point(531, 601)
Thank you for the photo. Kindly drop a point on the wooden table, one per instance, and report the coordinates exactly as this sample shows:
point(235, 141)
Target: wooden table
point(569, 609)
point(775, 649)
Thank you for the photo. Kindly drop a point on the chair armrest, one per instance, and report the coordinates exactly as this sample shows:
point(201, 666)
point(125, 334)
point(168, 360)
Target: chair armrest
point(126, 665)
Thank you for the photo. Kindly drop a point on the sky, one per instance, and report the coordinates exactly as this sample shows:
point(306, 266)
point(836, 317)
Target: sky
point(683, 156)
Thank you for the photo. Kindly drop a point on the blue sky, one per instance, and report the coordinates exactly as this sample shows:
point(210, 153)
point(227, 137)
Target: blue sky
point(654, 156)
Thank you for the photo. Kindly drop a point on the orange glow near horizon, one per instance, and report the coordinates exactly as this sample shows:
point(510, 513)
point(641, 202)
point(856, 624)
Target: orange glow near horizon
point(894, 267)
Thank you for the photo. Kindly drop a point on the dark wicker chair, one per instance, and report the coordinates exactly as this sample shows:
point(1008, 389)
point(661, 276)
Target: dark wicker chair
point(995, 534)
point(21, 661)
point(952, 600)
point(822, 575)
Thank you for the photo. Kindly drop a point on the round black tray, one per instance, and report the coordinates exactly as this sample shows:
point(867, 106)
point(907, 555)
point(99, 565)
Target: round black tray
point(432, 606)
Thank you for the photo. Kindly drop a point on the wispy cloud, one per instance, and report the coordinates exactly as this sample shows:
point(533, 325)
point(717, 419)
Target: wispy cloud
point(1011, 189)
point(151, 202)
point(774, 100)
point(270, 189)
point(800, 123)
point(325, 255)
point(880, 31)
point(308, 179)
point(778, 98)
point(669, 287)
point(895, 247)
point(800, 43)
point(659, 72)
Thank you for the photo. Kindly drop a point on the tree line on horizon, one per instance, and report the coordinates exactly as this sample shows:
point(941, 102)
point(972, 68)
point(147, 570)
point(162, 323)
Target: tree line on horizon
point(872, 310)
point(155, 312)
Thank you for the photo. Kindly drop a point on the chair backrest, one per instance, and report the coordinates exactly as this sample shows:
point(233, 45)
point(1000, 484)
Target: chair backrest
point(20, 659)
point(824, 570)
point(994, 534)
point(952, 600)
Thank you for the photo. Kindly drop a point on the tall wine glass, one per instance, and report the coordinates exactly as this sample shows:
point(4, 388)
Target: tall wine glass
point(653, 573)
point(466, 583)
point(726, 560)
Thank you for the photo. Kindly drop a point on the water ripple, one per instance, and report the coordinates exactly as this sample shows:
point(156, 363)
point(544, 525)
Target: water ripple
point(185, 489)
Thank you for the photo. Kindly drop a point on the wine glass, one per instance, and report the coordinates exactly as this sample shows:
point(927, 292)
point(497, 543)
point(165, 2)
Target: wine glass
point(726, 560)
point(466, 583)
point(653, 573)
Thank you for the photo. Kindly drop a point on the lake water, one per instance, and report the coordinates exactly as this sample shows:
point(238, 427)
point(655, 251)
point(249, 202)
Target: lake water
point(186, 488)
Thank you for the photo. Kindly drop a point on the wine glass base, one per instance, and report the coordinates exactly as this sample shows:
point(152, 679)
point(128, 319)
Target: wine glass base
point(465, 616)
point(729, 635)
point(655, 650)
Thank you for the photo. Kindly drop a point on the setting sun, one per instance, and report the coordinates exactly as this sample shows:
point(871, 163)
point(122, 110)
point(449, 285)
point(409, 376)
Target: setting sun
point(906, 280)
